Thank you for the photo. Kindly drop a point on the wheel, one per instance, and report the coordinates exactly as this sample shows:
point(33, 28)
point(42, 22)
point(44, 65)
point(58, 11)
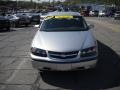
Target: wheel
point(38, 22)
point(13, 24)
point(8, 28)
point(26, 25)
point(16, 25)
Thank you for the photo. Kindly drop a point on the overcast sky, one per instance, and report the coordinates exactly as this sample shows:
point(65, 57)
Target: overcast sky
point(39, 0)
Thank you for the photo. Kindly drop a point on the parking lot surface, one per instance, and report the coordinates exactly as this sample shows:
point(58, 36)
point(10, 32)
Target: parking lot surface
point(17, 73)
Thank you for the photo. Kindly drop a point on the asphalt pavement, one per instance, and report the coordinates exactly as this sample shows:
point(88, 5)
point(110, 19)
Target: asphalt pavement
point(17, 73)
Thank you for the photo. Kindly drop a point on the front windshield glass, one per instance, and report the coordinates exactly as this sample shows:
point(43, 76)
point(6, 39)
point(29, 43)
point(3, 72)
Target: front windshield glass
point(1, 16)
point(9, 17)
point(64, 23)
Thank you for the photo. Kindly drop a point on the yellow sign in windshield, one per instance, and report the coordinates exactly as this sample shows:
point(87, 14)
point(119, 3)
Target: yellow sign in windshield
point(49, 17)
point(65, 16)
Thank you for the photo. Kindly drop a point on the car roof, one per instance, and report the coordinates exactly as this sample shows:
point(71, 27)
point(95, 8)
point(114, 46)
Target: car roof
point(117, 11)
point(56, 13)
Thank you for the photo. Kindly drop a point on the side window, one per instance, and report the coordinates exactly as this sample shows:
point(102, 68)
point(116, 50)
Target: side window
point(85, 23)
point(10, 17)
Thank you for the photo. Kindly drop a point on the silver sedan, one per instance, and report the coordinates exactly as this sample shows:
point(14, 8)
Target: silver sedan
point(64, 42)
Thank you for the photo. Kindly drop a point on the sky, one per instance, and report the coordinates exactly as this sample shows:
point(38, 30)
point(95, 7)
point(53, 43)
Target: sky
point(30, 0)
point(37, 0)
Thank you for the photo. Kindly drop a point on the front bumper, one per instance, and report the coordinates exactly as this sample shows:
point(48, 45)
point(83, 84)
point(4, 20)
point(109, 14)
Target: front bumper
point(5, 25)
point(117, 17)
point(23, 21)
point(54, 65)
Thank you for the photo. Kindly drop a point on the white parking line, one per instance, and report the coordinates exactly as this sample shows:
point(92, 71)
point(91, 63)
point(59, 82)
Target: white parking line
point(113, 27)
point(15, 72)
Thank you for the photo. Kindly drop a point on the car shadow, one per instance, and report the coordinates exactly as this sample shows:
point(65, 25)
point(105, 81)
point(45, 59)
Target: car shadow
point(24, 26)
point(3, 31)
point(106, 75)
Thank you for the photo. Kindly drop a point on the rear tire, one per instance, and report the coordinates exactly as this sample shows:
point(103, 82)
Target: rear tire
point(12, 24)
point(17, 24)
point(26, 25)
point(8, 28)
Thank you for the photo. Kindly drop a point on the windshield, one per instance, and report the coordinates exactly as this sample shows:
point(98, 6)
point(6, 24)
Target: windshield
point(9, 17)
point(76, 23)
point(1, 16)
point(118, 12)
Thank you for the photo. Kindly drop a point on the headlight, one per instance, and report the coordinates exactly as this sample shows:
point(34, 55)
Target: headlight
point(17, 18)
point(38, 52)
point(7, 21)
point(89, 52)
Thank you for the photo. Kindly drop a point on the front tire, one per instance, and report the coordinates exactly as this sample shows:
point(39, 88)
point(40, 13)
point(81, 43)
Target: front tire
point(26, 25)
point(8, 28)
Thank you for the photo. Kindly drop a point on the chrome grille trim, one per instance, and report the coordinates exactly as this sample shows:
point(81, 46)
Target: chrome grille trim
point(63, 55)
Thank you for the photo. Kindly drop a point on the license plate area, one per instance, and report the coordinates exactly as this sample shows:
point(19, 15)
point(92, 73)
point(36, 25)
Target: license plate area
point(63, 66)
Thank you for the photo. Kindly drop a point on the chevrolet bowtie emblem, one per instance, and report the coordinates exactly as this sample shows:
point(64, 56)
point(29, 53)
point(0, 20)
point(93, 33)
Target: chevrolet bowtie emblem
point(63, 56)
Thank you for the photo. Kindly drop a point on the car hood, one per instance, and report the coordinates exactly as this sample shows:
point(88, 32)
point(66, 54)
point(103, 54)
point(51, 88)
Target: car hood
point(3, 18)
point(63, 41)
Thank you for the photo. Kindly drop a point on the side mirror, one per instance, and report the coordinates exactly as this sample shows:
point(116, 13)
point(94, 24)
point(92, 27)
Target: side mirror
point(37, 26)
point(90, 26)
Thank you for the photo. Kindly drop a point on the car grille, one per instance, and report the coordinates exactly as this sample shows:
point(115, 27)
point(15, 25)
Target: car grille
point(3, 23)
point(23, 19)
point(63, 55)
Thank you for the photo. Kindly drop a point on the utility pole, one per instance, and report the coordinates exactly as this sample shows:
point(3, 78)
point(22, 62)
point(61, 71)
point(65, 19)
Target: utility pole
point(31, 1)
point(53, 2)
point(38, 3)
point(16, 3)
point(49, 2)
